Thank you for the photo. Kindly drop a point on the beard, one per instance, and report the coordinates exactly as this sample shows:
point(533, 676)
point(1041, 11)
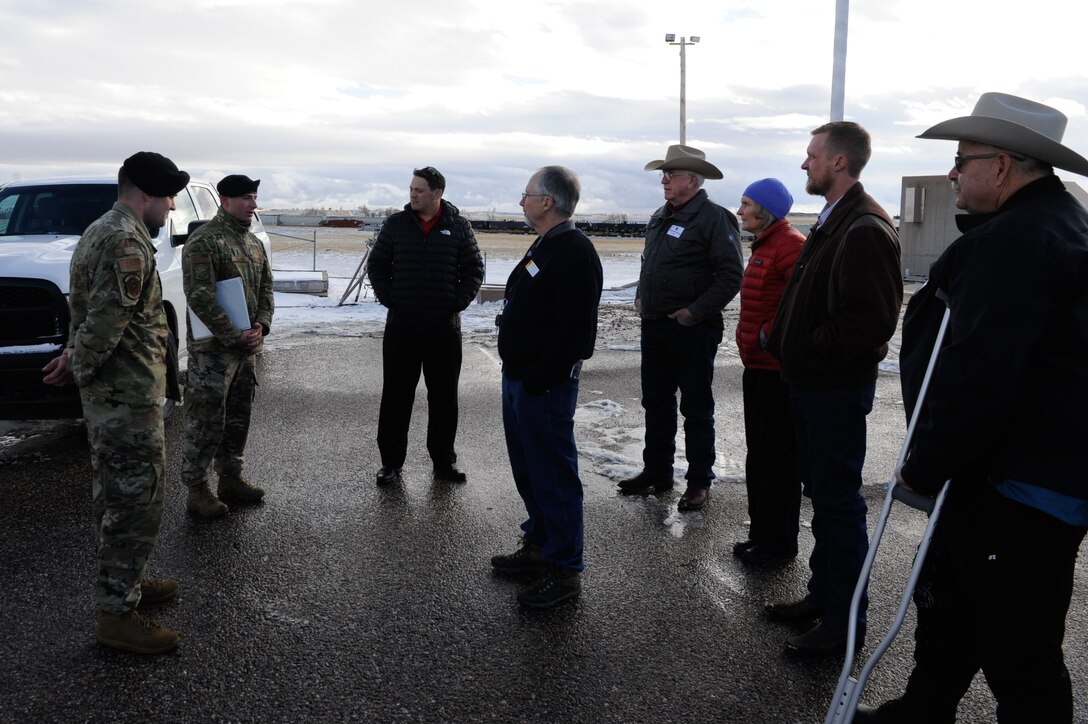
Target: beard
point(817, 187)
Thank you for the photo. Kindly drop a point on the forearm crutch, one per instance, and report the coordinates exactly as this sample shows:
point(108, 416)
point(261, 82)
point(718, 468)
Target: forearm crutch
point(845, 702)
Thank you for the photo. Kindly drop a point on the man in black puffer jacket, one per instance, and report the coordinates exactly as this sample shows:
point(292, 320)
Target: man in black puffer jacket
point(425, 267)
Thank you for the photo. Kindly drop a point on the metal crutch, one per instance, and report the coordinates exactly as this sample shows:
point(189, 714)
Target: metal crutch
point(848, 694)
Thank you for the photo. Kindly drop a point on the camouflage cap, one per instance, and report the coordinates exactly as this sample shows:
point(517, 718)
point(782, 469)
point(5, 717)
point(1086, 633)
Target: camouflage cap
point(154, 174)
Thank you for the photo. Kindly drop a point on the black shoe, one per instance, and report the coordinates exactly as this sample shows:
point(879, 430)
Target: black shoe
point(387, 475)
point(646, 481)
point(761, 555)
point(741, 546)
point(449, 474)
point(522, 561)
point(890, 712)
point(802, 611)
point(820, 640)
point(556, 586)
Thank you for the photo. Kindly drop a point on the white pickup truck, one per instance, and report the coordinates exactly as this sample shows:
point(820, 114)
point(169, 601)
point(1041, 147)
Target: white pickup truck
point(40, 224)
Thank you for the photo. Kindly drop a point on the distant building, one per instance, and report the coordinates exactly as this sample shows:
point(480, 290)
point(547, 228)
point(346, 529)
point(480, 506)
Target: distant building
point(927, 221)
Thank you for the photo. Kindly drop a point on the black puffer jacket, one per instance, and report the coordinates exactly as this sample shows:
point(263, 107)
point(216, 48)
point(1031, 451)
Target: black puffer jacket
point(425, 280)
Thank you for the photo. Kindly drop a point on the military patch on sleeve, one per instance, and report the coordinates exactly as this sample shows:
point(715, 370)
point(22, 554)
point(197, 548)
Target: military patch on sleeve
point(130, 279)
point(201, 266)
point(133, 286)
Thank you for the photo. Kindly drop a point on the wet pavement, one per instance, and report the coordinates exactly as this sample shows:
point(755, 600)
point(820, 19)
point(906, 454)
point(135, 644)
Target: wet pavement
point(336, 600)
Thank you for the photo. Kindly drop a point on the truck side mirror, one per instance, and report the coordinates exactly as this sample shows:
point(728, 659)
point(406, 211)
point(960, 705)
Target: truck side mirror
point(180, 239)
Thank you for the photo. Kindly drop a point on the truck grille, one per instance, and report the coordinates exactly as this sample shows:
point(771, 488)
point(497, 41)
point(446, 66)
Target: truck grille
point(32, 311)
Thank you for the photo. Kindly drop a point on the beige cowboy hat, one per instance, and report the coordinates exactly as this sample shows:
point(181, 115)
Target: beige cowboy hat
point(685, 158)
point(1014, 124)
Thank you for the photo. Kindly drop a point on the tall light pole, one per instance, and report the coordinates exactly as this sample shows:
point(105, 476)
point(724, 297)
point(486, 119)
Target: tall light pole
point(838, 69)
point(683, 43)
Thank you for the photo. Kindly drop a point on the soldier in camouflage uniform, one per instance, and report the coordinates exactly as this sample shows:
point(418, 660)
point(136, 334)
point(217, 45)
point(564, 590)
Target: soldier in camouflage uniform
point(116, 354)
point(222, 378)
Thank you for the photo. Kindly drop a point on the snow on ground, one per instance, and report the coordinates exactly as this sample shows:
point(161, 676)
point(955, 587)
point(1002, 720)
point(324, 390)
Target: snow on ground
point(607, 445)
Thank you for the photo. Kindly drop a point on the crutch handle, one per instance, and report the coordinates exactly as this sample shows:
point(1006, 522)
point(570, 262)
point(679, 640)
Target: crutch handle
point(918, 501)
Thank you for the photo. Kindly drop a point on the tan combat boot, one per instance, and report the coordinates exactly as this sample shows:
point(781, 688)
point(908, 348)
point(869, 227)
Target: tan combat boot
point(238, 489)
point(133, 632)
point(157, 590)
point(204, 504)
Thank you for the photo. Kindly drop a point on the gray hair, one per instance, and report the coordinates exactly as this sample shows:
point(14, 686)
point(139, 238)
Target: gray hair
point(562, 185)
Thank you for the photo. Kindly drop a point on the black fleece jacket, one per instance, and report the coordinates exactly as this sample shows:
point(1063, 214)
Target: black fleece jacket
point(549, 317)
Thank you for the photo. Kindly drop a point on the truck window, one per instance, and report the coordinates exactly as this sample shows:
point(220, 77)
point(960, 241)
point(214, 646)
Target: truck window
point(205, 201)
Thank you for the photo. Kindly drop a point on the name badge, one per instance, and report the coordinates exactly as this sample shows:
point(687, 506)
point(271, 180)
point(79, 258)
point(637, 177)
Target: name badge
point(676, 231)
point(532, 268)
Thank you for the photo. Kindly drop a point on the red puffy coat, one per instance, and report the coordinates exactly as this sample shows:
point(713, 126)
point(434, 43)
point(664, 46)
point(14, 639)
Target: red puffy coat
point(769, 267)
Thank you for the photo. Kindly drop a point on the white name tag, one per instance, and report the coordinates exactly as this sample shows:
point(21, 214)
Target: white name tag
point(532, 268)
point(676, 231)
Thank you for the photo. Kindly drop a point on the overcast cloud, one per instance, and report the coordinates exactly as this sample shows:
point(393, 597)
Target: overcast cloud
point(332, 103)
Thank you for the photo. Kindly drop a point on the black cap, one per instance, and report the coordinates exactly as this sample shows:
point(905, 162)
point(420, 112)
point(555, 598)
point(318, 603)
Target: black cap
point(155, 174)
point(237, 185)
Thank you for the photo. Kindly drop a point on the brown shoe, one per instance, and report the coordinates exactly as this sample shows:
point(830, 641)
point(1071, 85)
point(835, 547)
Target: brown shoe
point(157, 590)
point(239, 490)
point(203, 503)
point(694, 498)
point(134, 632)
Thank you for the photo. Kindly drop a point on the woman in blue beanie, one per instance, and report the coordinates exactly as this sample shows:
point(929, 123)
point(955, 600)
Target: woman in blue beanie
point(774, 486)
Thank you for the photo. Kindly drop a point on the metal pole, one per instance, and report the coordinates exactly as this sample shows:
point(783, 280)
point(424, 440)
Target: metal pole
point(683, 95)
point(838, 71)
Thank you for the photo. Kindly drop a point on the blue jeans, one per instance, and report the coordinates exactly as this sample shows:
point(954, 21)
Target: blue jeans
point(830, 425)
point(544, 461)
point(675, 357)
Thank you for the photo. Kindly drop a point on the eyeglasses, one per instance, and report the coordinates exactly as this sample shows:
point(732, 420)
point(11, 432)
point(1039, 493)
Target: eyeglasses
point(527, 195)
point(961, 161)
point(668, 175)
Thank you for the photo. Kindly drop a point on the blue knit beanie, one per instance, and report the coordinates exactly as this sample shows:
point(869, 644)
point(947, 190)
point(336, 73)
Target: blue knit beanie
point(772, 195)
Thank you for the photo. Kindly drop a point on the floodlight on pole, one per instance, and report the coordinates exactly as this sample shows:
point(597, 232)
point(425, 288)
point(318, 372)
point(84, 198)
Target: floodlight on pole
point(670, 38)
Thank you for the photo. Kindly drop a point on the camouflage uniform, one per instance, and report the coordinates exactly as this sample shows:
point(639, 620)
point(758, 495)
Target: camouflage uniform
point(118, 341)
point(221, 378)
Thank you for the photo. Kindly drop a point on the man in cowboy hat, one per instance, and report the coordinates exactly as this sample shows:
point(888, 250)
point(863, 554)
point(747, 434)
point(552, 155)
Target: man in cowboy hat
point(838, 311)
point(1003, 419)
point(691, 268)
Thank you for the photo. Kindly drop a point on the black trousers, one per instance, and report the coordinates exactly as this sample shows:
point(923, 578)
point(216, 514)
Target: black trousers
point(770, 468)
point(406, 353)
point(994, 595)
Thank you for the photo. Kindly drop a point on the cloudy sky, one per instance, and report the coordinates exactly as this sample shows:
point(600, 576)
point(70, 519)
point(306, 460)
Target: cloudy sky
point(333, 102)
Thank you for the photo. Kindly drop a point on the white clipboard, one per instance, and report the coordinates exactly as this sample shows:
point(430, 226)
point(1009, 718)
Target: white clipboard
point(231, 295)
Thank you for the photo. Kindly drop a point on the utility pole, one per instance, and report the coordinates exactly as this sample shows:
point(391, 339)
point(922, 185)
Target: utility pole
point(838, 70)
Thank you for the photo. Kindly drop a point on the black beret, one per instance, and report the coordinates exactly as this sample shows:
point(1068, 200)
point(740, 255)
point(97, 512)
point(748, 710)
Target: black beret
point(237, 185)
point(155, 174)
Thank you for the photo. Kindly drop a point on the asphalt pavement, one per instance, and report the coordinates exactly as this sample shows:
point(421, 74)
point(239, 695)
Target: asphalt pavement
point(336, 600)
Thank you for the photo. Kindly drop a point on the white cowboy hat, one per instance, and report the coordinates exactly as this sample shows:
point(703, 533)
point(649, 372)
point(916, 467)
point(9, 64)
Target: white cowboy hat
point(1014, 124)
point(685, 158)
